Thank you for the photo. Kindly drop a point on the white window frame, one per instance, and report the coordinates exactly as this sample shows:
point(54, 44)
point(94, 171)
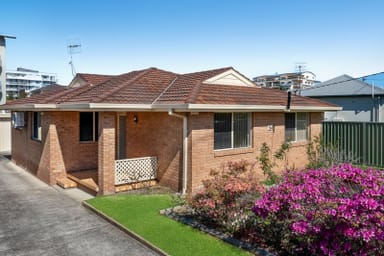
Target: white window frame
point(232, 132)
point(307, 127)
point(18, 119)
point(37, 136)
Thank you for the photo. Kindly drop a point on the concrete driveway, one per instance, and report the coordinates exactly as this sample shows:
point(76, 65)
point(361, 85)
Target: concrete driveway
point(37, 219)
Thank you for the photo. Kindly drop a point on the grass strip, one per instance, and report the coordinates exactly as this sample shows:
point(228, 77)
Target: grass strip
point(140, 214)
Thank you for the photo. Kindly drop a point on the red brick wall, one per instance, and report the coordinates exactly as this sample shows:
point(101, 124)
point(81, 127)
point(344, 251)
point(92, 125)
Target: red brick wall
point(59, 150)
point(106, 152)
point(202, 157)
point(155, 134)
point(161, 135)
point(31, 154)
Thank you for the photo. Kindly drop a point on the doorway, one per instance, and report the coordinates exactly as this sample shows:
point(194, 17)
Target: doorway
point(122, 133)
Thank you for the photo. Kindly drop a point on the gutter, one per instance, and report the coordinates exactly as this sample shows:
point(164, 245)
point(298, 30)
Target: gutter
point(185, 148)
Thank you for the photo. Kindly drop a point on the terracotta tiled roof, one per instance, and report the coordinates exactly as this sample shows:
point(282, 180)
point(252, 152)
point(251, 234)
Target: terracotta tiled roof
point(41, 96)
point(94, 79)
point(236, 95)
point(160, 87)
point(186, 86)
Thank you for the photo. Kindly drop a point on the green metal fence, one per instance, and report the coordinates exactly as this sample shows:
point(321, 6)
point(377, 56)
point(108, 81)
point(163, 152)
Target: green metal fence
point(361, 139)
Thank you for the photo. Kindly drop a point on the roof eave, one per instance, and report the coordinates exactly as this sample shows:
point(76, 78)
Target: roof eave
point(314, 109)
point(229, 107)
point(165, 107)
point(29, 107)
point(104, 107)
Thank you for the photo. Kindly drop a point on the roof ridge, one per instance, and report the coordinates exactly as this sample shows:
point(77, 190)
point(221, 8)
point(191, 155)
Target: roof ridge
point(194, 92)
point(166, 89)
point(58, 95)
point(106, 95)
point(79, 90)
point(206, 71)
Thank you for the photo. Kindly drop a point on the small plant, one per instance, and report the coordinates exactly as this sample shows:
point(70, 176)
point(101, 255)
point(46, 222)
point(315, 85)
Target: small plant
point(179, 199)
point(267, 165)
point(281, 153)
point(227, 197)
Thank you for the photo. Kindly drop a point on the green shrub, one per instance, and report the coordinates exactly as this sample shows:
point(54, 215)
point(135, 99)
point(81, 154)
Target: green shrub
point(227, 197)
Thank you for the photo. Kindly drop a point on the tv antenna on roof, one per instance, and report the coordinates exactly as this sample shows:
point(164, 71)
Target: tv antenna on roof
point(300, 67)
point(73, 48)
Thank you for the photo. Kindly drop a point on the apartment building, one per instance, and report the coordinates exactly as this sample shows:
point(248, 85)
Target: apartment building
point(27, 80)
point(285, 81)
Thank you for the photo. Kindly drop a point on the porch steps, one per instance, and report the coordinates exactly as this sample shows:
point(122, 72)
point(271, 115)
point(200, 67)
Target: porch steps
point(87, 184)
point(66, 183)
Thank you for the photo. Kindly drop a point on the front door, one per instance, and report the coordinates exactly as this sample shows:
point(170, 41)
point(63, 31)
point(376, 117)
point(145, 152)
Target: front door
point(122, 153)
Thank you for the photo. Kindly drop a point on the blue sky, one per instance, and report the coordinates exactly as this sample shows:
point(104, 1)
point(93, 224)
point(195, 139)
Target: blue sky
point(255, 37)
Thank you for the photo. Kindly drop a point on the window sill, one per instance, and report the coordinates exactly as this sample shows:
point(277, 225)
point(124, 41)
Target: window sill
point(299, 143)
point(36, 140)
point(87, 142)
point(232, 151)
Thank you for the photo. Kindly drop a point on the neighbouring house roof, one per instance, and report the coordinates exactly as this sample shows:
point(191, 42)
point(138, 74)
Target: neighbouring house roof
point(343, 85)
point(156, 89)
point(92, 79)
point(53, 87)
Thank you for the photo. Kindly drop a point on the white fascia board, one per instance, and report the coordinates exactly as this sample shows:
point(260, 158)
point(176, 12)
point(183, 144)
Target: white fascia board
point(166, 107)
point(30, 107)
point(120, 106)
point(314, 109)
point(106, 107)
point(45, 106)
point(217, 107)
point(253, 108)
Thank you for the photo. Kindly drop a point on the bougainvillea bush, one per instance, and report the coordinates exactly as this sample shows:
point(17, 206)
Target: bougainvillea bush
point(226, 199)
point(335, 211)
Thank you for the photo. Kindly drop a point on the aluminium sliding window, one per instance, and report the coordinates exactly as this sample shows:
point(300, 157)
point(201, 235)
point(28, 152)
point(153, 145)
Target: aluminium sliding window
point(232, 130)
point(296, 126)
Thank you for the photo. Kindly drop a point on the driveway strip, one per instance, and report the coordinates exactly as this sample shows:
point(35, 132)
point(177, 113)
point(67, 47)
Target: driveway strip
point(36, 219)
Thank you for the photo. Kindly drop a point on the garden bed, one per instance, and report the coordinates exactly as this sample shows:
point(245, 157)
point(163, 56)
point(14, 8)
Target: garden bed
point(183, 214)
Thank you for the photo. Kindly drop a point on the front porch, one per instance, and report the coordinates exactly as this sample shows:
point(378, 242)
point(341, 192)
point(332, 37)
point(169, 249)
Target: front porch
point(132, 173)
point(107, 152)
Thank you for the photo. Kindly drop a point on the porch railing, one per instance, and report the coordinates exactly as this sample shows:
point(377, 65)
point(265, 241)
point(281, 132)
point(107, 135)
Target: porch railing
point(133, 170)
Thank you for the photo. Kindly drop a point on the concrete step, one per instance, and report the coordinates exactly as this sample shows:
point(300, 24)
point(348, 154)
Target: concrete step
point(66, 183)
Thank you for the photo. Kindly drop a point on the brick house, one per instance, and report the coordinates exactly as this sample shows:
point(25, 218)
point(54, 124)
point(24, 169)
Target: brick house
point(157, 125)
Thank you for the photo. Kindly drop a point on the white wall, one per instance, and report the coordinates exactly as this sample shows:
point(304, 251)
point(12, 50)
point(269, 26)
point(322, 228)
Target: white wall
point(5, 132)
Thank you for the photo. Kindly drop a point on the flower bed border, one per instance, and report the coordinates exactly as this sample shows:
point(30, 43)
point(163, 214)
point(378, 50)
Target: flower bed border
point(195, 223)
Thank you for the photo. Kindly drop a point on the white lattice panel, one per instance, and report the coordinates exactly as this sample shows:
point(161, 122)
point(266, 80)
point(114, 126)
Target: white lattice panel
point(135, 169)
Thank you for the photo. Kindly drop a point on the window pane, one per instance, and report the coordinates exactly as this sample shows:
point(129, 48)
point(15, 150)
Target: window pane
point(290, 127)
point(96, 126)
point(86, 126)
point(241, 127)
point(36, 128)
point(302, 124)
point(222, 130)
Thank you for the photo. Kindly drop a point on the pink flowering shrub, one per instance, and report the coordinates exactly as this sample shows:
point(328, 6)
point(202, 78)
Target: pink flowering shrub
point(226, 199)
point(336, 211)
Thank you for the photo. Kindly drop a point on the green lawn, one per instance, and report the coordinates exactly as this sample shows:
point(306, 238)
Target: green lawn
point(140, 214)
